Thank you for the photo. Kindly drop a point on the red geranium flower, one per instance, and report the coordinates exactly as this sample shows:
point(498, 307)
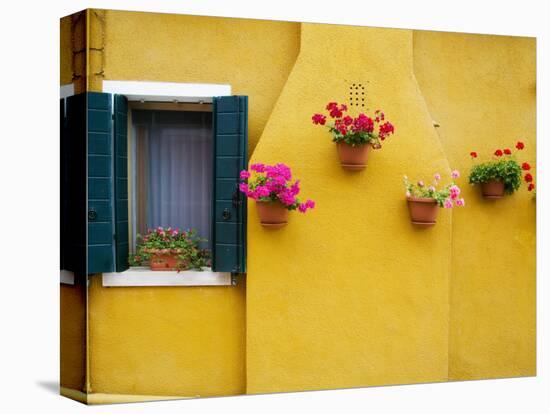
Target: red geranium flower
point(525, 166)
point(520, 145)
point(507, 151)
point(498, 153)
point(528, 178)
point(473, 154)
point(531, 187)
point(319, 119)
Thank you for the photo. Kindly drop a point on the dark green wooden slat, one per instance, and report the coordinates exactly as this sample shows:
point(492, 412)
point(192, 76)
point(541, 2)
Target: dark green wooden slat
point(100, 183)
point(99, 143)
point(229, 207)
point(121, 181)
point(228, 167)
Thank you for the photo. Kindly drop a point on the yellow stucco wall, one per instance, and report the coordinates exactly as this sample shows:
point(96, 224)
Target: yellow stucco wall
point(65, 50)
point(72, 336)
point(350, 294)
point(481, 89)
point(253, 56)
point(167, 341)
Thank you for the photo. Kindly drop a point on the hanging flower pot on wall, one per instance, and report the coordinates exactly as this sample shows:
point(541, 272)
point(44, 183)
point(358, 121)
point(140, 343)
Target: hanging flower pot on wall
point(353, 157)
point(275, 195)
point(424, 200)
point(354, 137)
point(501, 175)
point(272, 213)
point(492, 189)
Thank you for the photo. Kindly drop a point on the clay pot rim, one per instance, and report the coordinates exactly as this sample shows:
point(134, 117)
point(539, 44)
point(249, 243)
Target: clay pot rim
point(422, 199)
point(356, 146)
point(271, 202)
point(492, 181)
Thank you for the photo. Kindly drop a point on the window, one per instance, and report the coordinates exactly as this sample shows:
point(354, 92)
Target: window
point(166, 167)
point(171, 169)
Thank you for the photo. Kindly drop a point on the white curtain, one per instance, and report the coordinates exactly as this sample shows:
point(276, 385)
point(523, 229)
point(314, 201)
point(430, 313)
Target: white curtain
point(176, 163)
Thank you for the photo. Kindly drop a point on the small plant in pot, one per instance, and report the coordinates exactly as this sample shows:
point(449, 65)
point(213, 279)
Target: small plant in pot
point(424, 200)
point(275, 195)
point(170, 249)
point(501, 175)
point(354, 136)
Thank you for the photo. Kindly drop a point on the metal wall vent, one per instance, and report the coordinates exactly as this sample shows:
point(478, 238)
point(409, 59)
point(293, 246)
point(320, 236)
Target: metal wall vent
point(357, 94)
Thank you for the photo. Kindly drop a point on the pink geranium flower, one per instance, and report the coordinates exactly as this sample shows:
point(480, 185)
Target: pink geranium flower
point(273, 183)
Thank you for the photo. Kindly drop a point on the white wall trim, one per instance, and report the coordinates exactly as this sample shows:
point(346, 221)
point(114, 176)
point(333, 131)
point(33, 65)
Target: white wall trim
point(166, 91)
point(143, 276)
point(66, 90)
point(66, 277)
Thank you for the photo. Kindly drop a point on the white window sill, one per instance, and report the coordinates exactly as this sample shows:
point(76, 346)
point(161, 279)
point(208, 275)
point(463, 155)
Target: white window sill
point(143, 276)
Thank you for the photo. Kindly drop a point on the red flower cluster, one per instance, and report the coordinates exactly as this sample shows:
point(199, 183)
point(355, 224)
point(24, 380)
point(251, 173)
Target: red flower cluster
point(385, 129)
point(319, 119)
point(347, 125)
point(525, 166)
point(335, 110)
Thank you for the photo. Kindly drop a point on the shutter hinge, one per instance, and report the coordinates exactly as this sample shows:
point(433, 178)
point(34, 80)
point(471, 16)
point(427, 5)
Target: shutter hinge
point(233, 279)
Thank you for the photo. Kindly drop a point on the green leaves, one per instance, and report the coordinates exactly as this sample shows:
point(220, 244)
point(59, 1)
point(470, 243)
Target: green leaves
point(171, 241)
point(506, 170)
point(354, 139)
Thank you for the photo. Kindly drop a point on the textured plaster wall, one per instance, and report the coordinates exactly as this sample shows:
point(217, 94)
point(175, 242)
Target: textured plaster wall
point(65, 51)
point(350, 294)
point(253, 56)
point(481, 89)
point(167, 341)
point(72, 338)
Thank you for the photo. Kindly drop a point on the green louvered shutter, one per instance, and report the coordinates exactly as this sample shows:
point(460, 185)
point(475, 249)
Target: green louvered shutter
point(100, 183)
point(74, 220)
point(121, 182)
point(230, 122)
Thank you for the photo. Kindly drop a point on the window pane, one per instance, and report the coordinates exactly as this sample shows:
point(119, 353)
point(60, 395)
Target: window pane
point(173, 170)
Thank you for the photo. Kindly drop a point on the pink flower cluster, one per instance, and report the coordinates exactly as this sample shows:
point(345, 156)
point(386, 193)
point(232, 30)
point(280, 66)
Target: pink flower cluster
point(273, 183)
point(447, 196)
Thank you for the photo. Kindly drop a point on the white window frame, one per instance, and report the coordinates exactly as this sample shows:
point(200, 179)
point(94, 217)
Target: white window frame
point(145, 91)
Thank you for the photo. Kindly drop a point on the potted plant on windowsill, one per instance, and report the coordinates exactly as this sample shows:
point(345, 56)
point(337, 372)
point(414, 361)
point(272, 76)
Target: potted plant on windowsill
point(354, 137)
point(502, 175)
point(270, 186)
point(170, 249)
point(424, 200)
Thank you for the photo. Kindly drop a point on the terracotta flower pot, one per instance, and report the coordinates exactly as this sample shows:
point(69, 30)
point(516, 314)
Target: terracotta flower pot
point(163, 261)
point(423, 211)
point(492, 189)
point(272, 213)
point(353, 158)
